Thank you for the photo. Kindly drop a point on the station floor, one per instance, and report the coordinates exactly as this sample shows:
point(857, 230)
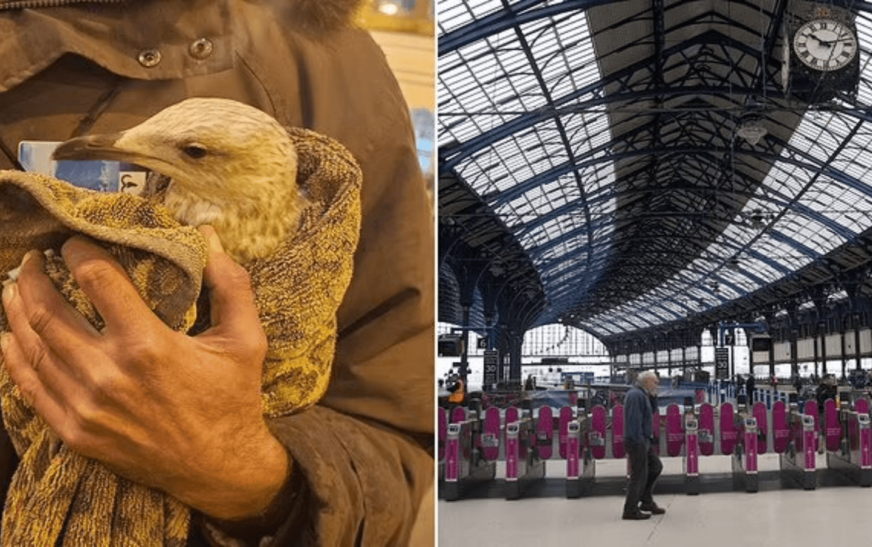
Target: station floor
point(835, 513)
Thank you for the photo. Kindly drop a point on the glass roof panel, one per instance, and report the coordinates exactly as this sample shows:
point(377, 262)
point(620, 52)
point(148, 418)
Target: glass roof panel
point(451, 17)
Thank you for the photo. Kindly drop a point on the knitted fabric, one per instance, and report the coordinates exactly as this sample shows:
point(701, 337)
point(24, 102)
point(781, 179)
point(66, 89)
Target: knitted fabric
point(58, 497)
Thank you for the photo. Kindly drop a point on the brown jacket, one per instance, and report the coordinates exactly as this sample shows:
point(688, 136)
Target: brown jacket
point(364, 453)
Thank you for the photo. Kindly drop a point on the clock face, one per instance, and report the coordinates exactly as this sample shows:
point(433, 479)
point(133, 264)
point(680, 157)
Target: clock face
point(825, 44)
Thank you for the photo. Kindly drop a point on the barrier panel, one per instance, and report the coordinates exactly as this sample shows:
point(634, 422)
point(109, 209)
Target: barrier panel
point(706, 429)
point(811, 409)
point(597, 435)
point(674, 432)
point(442, 414)
point(729, 433)
point(563, 430)
point(780, 429)
point(759, 412)
point(618, 450)
point(545, 433)
point(513, 414)
point(691, 457)
point(490, 441)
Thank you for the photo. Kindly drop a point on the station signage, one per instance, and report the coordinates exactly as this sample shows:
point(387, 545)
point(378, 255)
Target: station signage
point(722, 363)
point(491, 362)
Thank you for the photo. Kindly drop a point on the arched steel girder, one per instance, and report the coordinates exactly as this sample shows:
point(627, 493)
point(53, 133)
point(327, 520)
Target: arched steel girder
point(561, 130)
point(605, 153)
point(810, 162)
point(623, 78)
point(806, 161)
point(554, 263)
point(773, 196)
point(519, 13)
point(560, 296)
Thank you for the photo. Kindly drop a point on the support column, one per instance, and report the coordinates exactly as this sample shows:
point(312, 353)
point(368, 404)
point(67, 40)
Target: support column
point(792, 308)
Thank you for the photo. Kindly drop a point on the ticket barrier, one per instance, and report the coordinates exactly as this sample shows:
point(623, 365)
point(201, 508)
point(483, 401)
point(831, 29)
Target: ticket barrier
point(691, 454)
point(854, 454)
point(744, 456)
point(580, 463)
point(523, 462)
point(798, 460)
point(464, 463)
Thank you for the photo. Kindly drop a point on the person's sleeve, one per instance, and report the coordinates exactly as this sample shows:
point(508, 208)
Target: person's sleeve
point(363, 482)
point(352, 483)
point(633, 418)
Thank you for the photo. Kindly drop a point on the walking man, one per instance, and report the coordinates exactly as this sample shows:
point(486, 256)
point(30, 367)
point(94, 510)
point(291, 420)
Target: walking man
point(645, 466)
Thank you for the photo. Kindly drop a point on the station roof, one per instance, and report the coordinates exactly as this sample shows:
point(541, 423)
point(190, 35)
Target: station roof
point(596, 163)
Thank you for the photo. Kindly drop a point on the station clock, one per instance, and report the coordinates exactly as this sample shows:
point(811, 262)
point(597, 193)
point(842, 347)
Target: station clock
point(821, 52)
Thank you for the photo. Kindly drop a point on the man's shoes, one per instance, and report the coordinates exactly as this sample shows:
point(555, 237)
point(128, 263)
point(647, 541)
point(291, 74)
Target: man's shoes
point(652, 508)
point(638, 515)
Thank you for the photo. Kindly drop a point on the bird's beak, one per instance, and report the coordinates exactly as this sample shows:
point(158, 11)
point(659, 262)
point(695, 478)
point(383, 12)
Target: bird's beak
point(96, 147)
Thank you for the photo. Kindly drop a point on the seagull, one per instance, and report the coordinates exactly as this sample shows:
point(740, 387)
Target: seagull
point(230, 165)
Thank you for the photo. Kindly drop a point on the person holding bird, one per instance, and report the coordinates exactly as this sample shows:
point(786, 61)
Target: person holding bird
point(183, 414)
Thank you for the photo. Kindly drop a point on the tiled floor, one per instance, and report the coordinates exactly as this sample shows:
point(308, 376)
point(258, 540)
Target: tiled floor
point(835, 513)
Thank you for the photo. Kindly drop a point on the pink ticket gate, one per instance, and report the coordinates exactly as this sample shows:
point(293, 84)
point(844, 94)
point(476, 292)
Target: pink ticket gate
point(545, 433)
point(442, 414)
point(490, 441)
point(691, 455)
point(523, 465)
point(744, 456)
point(780, 429)
point(759, 412)
point(729, 432)
point(674, 432)
point(513, 414)
point(618, 449)
point(854, 457)
point(798, 460)
point(580, 464)
point(463, 466)
point(706, 429)
point(596, 438)
point(563, 430)
point(832, 428)
point(811, 409)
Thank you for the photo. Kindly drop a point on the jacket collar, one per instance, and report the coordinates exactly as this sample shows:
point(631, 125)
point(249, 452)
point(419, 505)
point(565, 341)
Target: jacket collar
point(141, 40)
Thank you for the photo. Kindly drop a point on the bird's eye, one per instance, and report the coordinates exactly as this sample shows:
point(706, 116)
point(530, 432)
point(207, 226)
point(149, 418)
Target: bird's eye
point(195, 151)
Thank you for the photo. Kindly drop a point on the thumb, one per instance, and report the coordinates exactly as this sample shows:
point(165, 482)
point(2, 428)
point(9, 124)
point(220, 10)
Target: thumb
point(231, 299)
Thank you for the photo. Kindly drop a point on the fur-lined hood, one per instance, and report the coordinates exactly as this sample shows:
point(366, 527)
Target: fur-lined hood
point(322, 14)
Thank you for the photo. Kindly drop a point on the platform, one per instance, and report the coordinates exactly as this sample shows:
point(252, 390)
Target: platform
point(779, 514)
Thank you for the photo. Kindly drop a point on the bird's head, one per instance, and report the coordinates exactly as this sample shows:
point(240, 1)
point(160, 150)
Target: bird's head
point(217, 150)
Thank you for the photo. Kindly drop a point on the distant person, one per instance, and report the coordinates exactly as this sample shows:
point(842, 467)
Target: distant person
point(458, 393)
point(528, 383)
point(645, 466)
point(749, 388)
point(825, 390)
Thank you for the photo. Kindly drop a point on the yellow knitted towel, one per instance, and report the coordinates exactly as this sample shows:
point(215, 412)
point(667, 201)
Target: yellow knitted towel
point(59, 495)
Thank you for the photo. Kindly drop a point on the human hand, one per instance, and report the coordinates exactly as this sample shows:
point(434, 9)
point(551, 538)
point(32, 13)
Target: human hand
point(181, 414)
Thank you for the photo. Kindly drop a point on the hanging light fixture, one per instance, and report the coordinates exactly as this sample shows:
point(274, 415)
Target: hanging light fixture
point(751, 129)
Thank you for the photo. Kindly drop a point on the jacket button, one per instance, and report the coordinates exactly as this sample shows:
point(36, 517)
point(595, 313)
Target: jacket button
point(149, 58)
point(200, 49)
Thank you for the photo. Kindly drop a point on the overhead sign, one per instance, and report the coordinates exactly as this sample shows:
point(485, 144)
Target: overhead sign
point(722, 363)
point(491, 362)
